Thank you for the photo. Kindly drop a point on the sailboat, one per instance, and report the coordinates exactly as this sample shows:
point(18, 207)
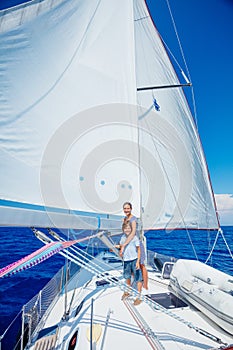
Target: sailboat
point(93, 114)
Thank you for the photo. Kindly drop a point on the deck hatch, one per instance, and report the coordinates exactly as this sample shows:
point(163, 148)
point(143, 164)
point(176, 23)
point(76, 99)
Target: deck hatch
point(167, 300)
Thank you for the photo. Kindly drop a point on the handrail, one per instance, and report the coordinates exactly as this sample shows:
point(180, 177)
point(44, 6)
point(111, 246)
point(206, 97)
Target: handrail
point(35, 308)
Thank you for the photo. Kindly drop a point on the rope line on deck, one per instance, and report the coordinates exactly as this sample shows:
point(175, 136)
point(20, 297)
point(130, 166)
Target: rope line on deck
point(150, 335)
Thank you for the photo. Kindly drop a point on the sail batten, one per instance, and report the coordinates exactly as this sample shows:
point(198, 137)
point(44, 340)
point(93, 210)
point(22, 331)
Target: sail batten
point(162, 87)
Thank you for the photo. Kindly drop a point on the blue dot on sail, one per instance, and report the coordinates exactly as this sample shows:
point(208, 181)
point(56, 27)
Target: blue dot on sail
point(81, 178)
point(102, 182)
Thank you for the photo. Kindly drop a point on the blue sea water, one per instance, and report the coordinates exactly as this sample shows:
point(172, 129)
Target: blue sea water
point(16, 243)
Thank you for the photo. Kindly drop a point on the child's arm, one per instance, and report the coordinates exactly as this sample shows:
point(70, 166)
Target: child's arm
point(138, 259)
point(117, 246)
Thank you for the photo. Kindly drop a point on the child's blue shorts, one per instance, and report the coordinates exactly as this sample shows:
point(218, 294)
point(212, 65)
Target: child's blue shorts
point(130, 269)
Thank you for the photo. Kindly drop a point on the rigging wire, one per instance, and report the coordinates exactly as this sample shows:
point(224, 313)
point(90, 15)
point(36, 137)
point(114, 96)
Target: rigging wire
point(189, 76)
point(76, 249)
point(98, 271)
point(171, 187)
point(178, 39)
point(143, 114)
point(220, 231)
point(193, 99)
point(186, 67)
point(184, 60)
point(142, 19)
point(228, 248)
point(215, 241)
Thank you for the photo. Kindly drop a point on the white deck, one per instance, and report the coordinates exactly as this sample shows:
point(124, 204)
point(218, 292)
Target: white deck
point(129, 326)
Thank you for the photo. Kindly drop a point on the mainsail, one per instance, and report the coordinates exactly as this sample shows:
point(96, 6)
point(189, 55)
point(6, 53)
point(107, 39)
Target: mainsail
point(77, 136)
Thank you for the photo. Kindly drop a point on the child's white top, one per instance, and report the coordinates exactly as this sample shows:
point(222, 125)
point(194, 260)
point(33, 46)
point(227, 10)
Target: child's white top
point(130, 251)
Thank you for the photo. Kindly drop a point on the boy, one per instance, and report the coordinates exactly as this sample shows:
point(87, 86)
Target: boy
point(131, 258)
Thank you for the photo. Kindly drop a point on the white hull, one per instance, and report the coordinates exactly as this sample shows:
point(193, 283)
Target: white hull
point(123, 325)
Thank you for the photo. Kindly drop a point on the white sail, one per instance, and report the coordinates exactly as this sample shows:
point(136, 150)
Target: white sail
point(70, 59)
point(176, 190)
point(72, 133)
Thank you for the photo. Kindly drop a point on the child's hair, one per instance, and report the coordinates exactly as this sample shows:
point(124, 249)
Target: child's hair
point(125, 224)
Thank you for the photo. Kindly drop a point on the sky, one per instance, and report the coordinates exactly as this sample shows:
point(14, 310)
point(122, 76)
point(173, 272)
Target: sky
point(205, 29)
